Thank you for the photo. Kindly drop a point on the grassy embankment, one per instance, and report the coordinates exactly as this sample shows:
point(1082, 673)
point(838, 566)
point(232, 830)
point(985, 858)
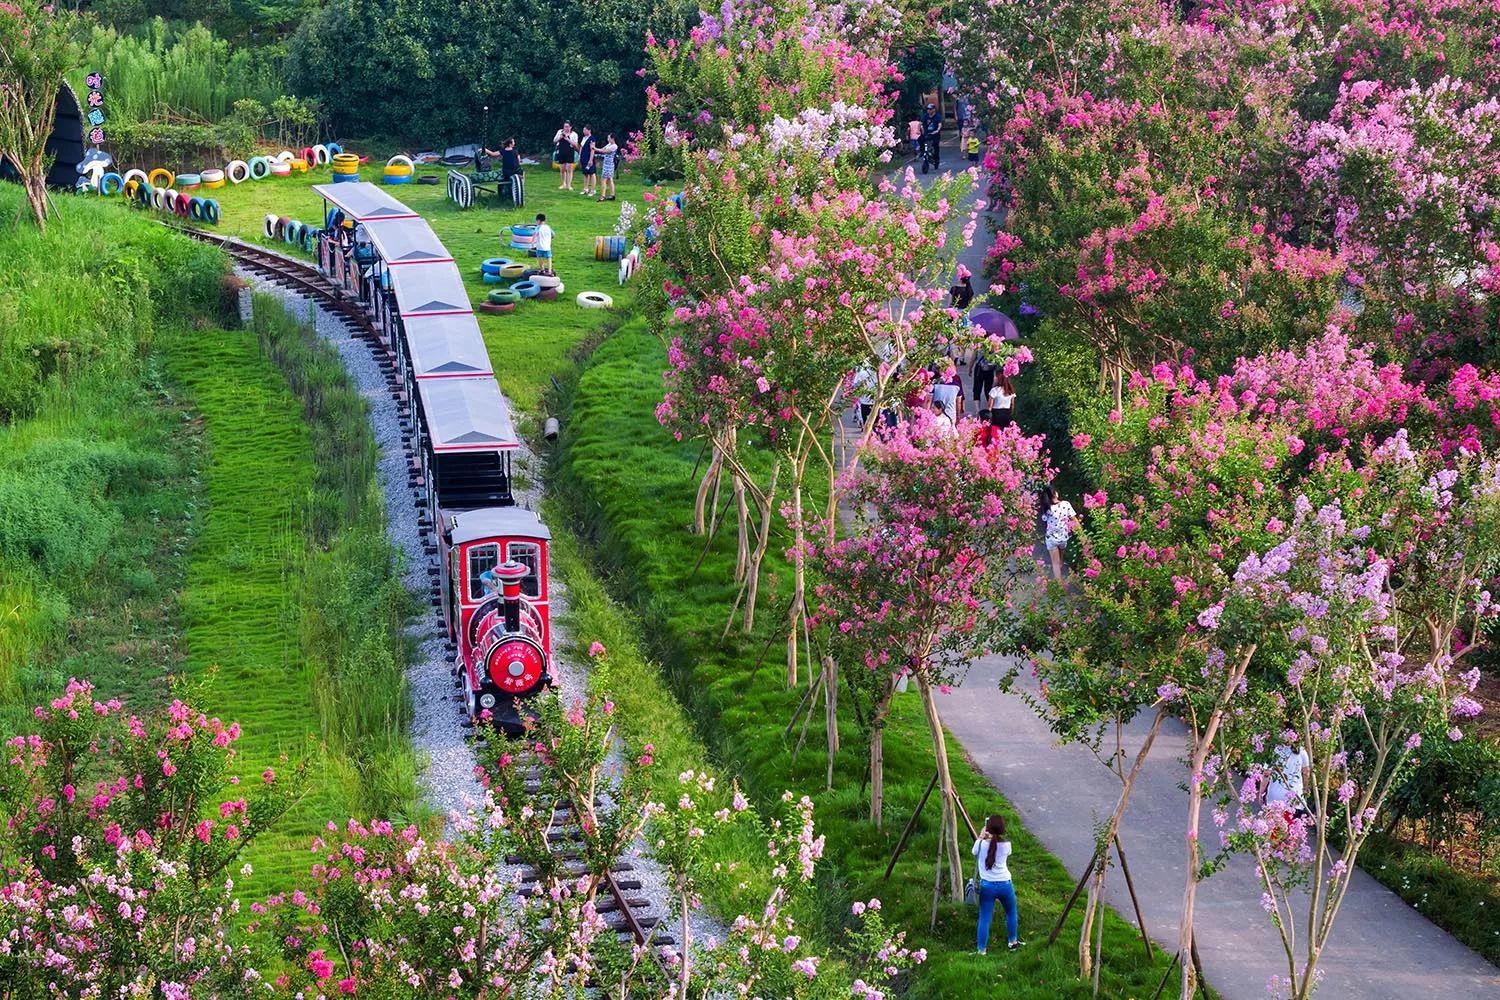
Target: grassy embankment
point(638, 523)
point(143, 537)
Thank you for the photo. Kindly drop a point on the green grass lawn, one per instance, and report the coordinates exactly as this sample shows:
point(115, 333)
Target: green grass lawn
point(533, 343)
point(637, 523)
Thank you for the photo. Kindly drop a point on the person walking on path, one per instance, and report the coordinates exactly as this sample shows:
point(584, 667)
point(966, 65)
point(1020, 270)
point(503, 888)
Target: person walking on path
point(607, 153)
point(1059, 521)
point(588, 162)
point(948, 392)
point(565, 151)
point(1000, 396)
point(932, 134)
point(992, 850)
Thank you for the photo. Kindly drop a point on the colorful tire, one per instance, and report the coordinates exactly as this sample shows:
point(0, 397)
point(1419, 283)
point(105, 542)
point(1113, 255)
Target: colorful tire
point(279, 233)
point(310, 239)
point(186, 182)
point(268, 226)
point(161, 177)
point(493, 265)
point(168, 201)
point(320, 155)
point(307, 155)
point(130, 188)
point(238, 171)
point(260, 168)
point(388, 179)
point(526, 289)
point(281, 168)
point(292, 234)
point(333, 149)
point(159, 197)
point(195, 210)
point(512, 272)
point(345, 163)
point(184, 206)
point(594, 300)
point(491, 279)
point(504, 295)
point(609, 247)
point(213, 178)
point(497, 307)
point(211, 211)
point(299, 165)
point(137, 175)
point(346, 178)
point(547, 280)
point(109, 179)
point(547, 295)
point(401, 160)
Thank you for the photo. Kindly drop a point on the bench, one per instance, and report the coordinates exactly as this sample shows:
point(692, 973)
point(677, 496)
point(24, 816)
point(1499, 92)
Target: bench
point(464, 189)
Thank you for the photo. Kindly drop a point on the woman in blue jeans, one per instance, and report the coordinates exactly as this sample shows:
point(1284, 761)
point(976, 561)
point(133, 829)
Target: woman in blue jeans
point(993, 851)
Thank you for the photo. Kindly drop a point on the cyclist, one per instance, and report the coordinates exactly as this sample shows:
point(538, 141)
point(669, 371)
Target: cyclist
point(932, 129)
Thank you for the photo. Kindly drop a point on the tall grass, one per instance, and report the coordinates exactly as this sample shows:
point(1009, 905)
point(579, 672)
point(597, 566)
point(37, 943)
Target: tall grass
point(160, 69)
point(354, 606)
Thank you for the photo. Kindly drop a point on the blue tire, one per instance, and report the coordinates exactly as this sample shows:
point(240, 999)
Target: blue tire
point(334, 149)
point(210, 211)
point(493, 265)
point(526, 289)
point(104, 184)
point(345, 178)
point(389, 179)
point(260, 168)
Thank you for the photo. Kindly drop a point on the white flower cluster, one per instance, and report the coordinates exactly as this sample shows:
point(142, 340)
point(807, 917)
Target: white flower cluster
point(838, 131)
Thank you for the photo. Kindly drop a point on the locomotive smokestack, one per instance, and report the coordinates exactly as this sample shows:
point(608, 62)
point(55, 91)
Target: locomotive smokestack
point(511, 574)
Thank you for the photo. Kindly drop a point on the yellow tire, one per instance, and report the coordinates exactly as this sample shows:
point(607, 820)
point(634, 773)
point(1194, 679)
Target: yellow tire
point(160, 178)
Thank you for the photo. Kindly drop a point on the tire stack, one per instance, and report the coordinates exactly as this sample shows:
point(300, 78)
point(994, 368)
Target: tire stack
point(398, 170)
point(517, 282)
point(345, 168)
point(609, 247)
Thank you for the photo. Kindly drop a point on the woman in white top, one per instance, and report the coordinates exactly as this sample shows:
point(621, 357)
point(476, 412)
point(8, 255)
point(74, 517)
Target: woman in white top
point(993, 851)
point(1001, 400)
point(1059, 520)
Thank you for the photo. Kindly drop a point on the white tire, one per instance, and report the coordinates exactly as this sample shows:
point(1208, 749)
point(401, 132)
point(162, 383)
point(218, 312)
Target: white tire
point(285, 156)
point(269, 226)
point(238, 171)
point(320, 155)
point(169, 200)
point(401, 160)
point(594, 300)
point(138, 175)
point(546, 280)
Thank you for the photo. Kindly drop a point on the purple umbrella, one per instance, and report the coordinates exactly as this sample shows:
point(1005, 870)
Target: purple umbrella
point(995, 323)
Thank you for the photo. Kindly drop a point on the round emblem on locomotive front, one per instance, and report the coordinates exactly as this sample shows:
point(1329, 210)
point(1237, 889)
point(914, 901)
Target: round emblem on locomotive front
point(516, 664)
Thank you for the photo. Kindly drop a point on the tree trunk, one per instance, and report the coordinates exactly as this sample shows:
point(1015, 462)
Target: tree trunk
point(878, 713)
point(710, 479)
point(742, 510)
point(1091, 910)
point(758, 556)
point(949, 831)
point(831, 711)
point(1203, 743)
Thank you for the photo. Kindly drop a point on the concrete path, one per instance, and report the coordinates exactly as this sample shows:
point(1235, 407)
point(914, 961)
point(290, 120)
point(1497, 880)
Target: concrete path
point(1381, 949)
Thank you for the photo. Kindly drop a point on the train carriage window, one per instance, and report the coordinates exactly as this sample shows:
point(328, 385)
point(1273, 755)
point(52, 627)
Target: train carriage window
point(482, 558)
point(530, 556)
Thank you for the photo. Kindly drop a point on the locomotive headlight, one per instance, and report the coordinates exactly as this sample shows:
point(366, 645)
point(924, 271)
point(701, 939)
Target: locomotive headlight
point(486, 701)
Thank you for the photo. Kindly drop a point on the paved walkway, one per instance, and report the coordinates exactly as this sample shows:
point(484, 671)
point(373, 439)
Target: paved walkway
point(1381, 949)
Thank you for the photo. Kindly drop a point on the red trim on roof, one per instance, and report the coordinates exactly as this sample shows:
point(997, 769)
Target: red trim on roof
point(475, 447)
point(432, 260)
point(442, 312)
point(474, 374)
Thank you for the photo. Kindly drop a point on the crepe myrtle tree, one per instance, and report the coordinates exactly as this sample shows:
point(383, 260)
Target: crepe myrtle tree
point(124, 835)
point(122, 840)
point(1361, 617)
point(1194, 475)
point(38, 48)
point(923, 582)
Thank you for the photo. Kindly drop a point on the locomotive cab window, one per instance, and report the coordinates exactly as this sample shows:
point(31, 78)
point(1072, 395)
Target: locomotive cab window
point(482, 558)
point(530, 556)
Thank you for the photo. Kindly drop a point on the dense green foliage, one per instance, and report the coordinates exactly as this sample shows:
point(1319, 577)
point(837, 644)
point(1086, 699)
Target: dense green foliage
point(239, 20)
point(637, 525)
point(423, 70)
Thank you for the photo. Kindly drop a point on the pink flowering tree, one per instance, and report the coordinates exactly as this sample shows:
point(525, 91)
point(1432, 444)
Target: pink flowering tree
point(123, 837)
point(38, 48)
point(943, 531)
point(783, 67)
point(1361, 619)
point(1404, 183)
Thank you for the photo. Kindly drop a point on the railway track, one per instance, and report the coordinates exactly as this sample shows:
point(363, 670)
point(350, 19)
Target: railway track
point(624, 913)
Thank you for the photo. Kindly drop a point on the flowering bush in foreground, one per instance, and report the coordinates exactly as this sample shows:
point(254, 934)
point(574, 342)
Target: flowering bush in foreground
point(121, 833)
